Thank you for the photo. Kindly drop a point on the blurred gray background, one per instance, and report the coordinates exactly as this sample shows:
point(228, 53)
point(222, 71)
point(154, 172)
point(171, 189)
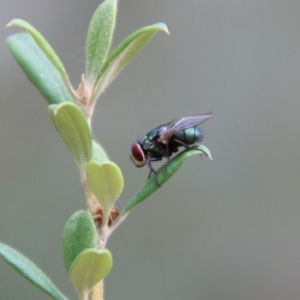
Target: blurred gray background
point(226, 229)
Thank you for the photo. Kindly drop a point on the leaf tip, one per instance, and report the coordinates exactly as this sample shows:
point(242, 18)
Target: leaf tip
point(206, 152)
point(10, 23)
point(163, 27)
point(167, 31)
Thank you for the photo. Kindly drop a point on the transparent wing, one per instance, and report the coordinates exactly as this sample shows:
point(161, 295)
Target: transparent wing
point(175, 126)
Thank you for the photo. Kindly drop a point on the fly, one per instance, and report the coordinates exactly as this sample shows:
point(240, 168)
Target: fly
point(165, 140)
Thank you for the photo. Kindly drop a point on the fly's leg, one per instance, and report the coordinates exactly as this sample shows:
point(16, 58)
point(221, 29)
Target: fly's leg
point(181, 144)
point(187, 146)
point(148, 162)
point(151, 168)
point(168, 158)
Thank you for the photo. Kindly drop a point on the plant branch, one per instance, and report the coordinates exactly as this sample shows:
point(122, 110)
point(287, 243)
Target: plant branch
point(97, 292)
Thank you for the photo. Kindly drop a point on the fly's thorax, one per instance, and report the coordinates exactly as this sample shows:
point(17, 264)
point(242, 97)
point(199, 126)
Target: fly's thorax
point(150, 145)
point(145, 143)
point(189, 135)
point(157, 150)
point(152, 148)
point(150, 138)
point(152, 135)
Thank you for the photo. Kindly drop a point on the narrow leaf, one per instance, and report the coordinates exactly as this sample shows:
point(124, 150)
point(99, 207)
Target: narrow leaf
point(99, 38)
point(37, 67)
point(90, 267)
point(164, 174)
point(71, 124)
point(106, 183)
point(45, 47)
point(30, 271)
point(122, 54)
point(79, 234)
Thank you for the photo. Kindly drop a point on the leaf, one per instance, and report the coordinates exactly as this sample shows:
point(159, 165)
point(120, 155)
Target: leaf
point(30, 271)
point(79, 234)
point(37, 67)
point(122, 54)
point(72, 125)
point(164, 173)
point(106, 183)
point(45, 47)
point(99, 153)
point(90, 267)
point(99, 38)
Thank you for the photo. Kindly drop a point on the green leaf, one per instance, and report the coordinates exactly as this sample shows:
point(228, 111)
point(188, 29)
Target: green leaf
point(164, 173)
point(45, 47)
point(37, 67)
point(30, 271)
point(99, 38)
point(106, 183)
point(99, 153)
point(79, 234)
point(89, 268)
point(72, 125)
point(122, 54)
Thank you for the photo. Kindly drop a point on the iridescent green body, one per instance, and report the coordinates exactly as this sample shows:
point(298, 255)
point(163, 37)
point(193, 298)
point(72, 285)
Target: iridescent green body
point(189, 136)
point(155, 149)
point(151, 146)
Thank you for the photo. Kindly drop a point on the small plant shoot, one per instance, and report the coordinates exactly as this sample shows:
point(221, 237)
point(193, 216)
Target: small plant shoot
point(86, 258)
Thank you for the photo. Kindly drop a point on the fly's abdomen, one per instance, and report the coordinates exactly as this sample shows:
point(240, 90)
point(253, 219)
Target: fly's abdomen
point(190, 135)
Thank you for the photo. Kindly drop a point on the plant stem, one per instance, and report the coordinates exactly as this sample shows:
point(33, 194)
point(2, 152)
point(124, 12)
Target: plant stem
point(91, 201)
point(97, 292)
point(92, 204)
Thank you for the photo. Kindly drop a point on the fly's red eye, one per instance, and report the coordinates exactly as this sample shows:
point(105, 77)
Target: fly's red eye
point(137, 155)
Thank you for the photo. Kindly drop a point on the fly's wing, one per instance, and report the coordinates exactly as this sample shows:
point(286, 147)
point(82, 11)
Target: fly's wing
point(187, 122)
point(169, 130)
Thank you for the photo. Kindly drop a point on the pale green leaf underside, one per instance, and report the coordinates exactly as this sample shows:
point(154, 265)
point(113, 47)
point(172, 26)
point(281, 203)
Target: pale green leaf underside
point(90, 267)
point(71, 124)
point(30, 271)
point(106, 183)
